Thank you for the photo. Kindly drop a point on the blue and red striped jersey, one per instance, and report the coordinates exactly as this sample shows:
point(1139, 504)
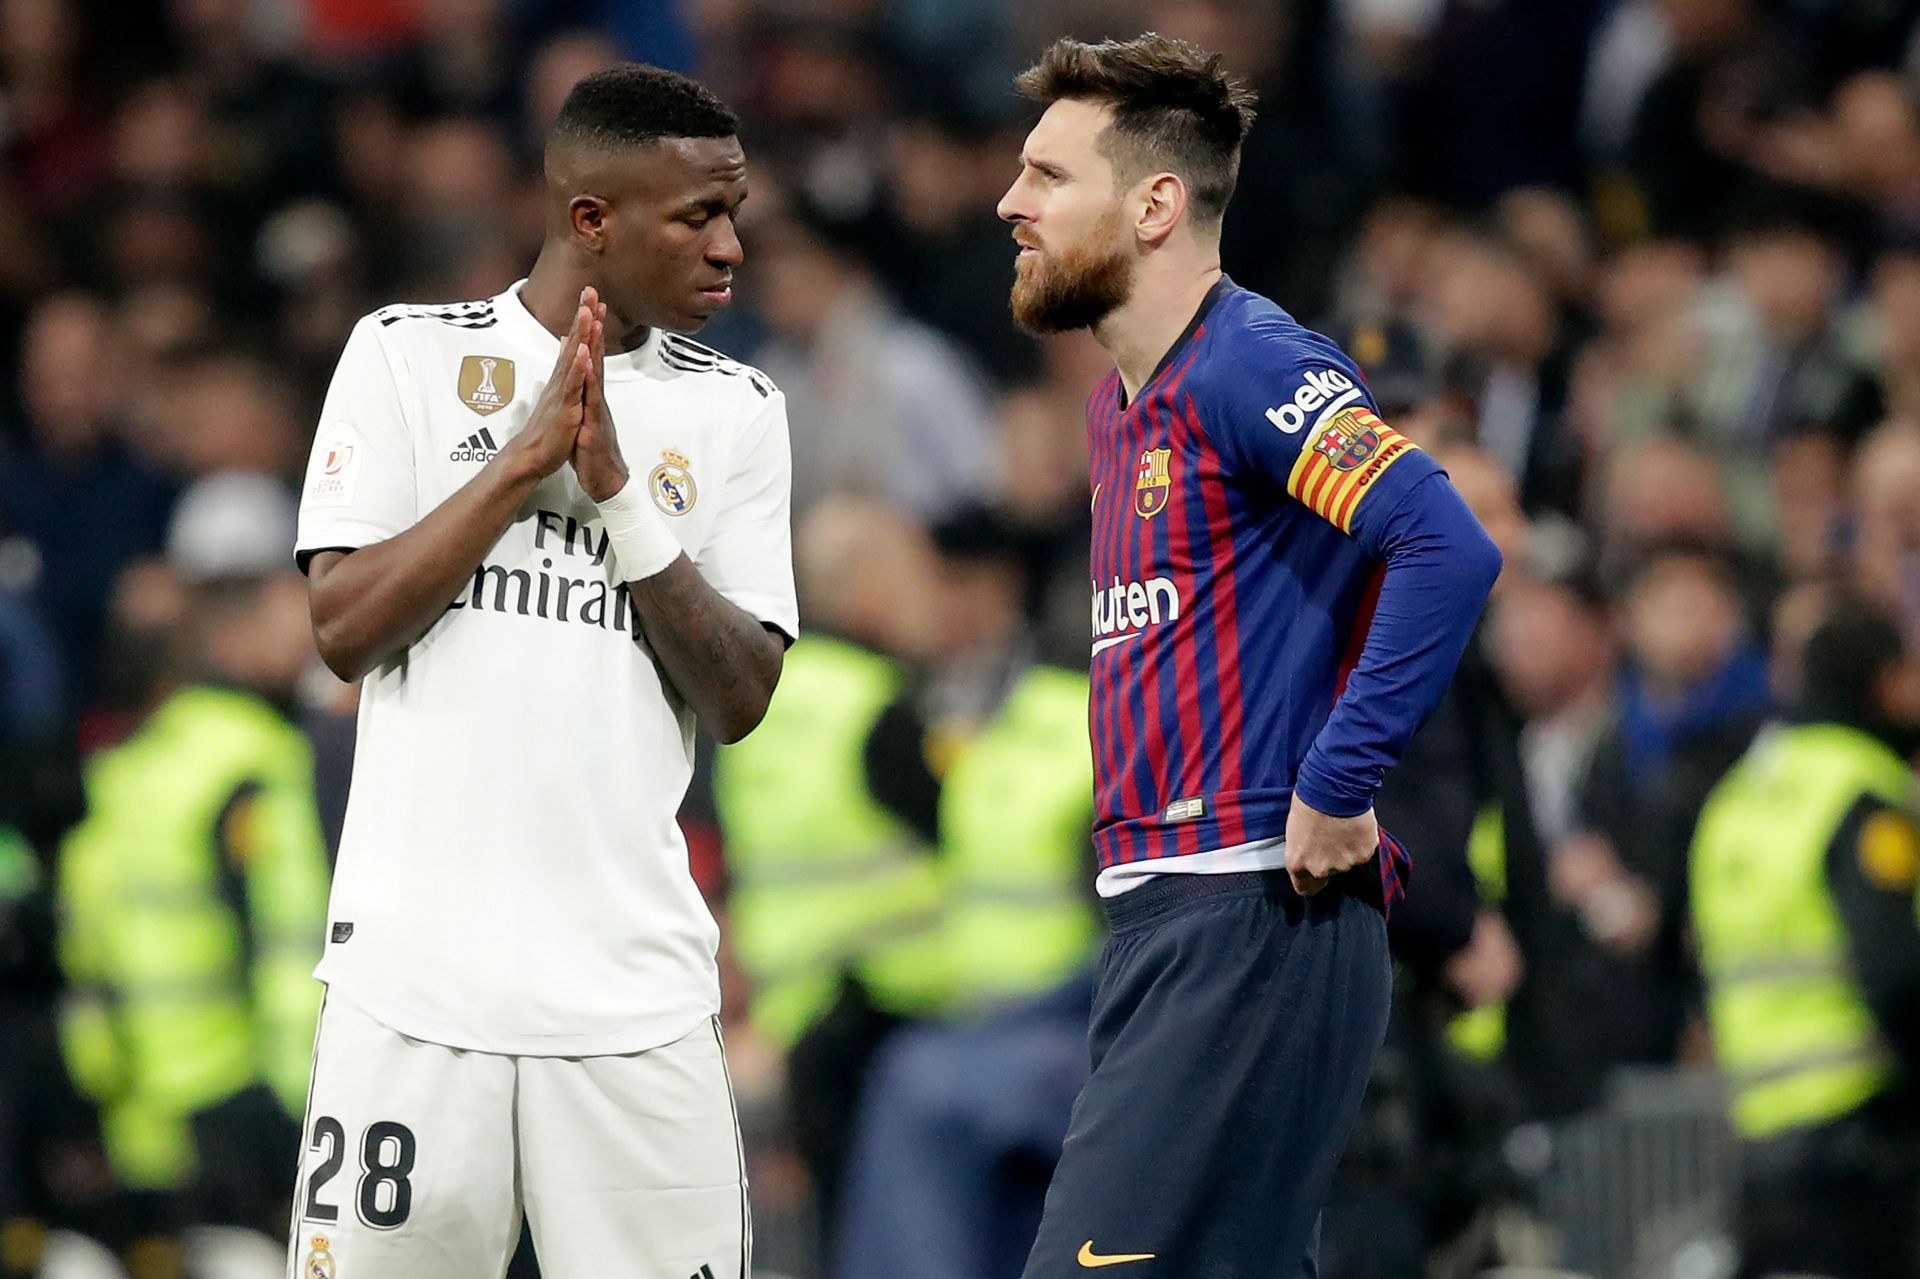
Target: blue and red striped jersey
point(1250, 511)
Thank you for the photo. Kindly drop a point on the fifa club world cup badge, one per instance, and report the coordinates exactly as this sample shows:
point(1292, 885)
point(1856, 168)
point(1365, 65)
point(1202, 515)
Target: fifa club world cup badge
point(672, 484)
point(319, 1263)
point(486, 383)
point(1151, 485)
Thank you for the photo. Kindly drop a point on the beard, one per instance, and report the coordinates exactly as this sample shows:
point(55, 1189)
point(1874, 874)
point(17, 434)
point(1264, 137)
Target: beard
point(1074, 289)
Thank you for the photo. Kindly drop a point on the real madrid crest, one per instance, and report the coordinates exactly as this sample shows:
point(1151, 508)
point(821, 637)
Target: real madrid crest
point(671, 483)
point(319, 1263)
point(486, 383)
point(1153, 481)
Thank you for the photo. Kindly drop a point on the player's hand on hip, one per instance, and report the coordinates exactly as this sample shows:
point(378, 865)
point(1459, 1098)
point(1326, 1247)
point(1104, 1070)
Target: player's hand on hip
point(546, 441)
point(596, 449)
point(1320, 846)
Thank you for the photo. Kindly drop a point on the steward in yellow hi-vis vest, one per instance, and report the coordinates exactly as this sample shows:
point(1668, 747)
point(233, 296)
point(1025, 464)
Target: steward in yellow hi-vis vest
point(829, 813)
point(1804, 867)
point(827, 883)
point(1015, 809)
point(192, 899)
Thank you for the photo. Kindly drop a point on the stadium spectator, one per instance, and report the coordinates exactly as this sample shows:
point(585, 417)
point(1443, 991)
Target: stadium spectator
point(1803, 873)
point(1691, 690)
point(1501, 320)
point(836, 897)
point(75, 492)
point(1728, 71)
point(225, 411)
point(57, 148)
point(193, 894)
point(1775, 360)
point(265, 111)
point(962, 1119)
point(1886, 534)
point(880, 404)
point(944, 251)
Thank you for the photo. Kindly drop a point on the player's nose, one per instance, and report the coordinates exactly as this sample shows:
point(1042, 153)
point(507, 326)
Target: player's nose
point(724, 249)
point(1010, 209)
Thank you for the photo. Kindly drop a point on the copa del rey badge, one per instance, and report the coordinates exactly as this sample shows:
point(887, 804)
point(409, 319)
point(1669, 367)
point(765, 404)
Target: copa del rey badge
point(486, 383)
point(332, 481)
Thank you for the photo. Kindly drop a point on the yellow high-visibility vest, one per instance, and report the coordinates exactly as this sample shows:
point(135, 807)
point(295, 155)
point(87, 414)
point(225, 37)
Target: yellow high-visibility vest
point(192, 901)
point(826, 881)
point(1016, 813)
point(1793, 1035)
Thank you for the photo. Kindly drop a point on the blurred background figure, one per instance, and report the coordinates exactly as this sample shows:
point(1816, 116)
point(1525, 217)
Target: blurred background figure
point(1804, 875)
point(836, 898)
point(75, 491)
point(193, 895)
point(880, 404)
point(965, 1114)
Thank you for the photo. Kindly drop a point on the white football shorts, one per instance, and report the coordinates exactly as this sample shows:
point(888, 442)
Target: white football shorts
point(420, 1160)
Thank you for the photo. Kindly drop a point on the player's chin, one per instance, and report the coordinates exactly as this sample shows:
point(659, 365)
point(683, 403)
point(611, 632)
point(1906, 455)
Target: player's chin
point(701, 307)
point(692, 319)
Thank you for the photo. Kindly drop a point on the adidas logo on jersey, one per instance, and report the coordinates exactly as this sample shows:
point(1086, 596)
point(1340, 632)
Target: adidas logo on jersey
point(478, 447)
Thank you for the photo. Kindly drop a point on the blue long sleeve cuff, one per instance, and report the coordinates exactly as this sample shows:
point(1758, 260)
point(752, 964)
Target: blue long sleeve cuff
point(1440, 566)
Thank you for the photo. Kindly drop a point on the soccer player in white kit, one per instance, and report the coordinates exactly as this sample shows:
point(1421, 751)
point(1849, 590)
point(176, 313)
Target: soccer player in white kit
point(550, 534)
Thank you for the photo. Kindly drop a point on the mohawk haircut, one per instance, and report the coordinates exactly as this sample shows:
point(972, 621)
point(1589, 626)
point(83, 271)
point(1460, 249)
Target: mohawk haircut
point(1176, 108)
point(631, 103)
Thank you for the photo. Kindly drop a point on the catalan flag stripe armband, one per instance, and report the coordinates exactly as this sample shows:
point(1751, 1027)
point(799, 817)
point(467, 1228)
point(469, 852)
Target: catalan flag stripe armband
point(1341, 460)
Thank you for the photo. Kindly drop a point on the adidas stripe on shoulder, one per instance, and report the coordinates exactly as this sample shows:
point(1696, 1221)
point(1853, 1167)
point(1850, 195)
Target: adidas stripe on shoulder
point(461, 315)
point(689, 356)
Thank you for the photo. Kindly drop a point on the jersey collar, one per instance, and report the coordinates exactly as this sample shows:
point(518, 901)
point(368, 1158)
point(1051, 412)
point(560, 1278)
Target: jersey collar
point(515, 317)
point(1220, 286)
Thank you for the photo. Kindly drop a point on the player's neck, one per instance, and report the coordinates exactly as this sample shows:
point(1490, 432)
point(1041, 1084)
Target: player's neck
point(1140, 331)
point(551, 293)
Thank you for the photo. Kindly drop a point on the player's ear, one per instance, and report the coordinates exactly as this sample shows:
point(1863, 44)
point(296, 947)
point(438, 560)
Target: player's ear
point(588, 215)
point(1163, 203)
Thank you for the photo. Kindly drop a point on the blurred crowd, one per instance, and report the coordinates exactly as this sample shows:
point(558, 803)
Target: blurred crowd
point(1644, 273)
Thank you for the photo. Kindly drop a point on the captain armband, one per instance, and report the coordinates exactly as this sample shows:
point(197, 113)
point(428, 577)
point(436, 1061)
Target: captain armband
point(1342, 460)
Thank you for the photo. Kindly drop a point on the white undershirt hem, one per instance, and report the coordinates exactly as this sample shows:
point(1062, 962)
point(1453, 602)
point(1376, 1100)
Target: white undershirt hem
point(1260, 854)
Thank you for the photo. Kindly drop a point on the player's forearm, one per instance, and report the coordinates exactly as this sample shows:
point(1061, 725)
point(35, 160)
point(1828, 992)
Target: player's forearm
point(369, 605)
point(719, 657)
point(1440, 566)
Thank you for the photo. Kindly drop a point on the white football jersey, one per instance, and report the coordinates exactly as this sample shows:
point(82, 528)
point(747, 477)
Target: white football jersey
point(512, 877)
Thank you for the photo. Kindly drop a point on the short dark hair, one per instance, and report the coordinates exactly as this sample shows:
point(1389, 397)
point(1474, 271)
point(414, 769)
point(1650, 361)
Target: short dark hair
point(631, 102)
point(1844, 659)
point(1709, 558)
point(1175, 107)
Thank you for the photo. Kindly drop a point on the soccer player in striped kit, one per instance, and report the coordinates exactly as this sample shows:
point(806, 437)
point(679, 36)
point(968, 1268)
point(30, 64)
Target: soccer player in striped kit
point(1282, 588)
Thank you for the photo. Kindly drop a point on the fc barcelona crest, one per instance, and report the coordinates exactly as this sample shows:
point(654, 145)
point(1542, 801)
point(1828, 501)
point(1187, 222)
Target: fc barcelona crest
point(1347, 442)
point(1151, 485)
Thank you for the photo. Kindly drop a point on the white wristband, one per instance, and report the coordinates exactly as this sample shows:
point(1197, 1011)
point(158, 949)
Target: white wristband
point(641, 541)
